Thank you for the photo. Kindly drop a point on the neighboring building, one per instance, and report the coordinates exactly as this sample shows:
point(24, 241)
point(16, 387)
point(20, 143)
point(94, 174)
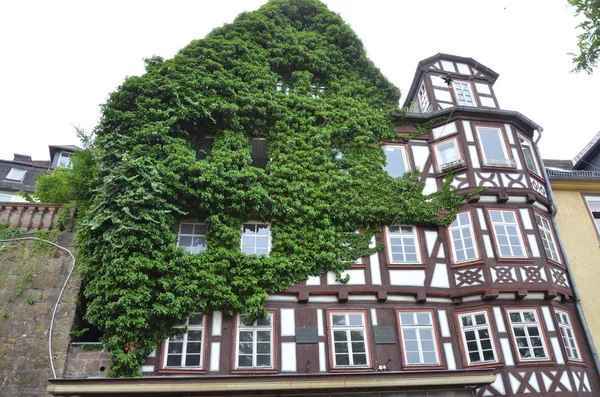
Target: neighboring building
point(576, 187)
point(21, 173)
point(484, 307)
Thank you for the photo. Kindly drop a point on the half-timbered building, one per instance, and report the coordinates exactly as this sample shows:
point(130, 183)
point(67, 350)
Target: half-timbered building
point(483, 307)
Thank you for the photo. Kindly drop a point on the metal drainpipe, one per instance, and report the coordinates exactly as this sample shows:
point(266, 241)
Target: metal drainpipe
point(586, 330)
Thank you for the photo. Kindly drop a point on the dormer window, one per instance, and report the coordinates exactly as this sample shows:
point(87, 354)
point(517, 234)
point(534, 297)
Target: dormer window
point(64, 160)
point(424, 103)
point(464, 96)
point(16, 175)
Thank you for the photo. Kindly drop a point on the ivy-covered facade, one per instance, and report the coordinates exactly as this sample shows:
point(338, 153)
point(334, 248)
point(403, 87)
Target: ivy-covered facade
point(266, 221)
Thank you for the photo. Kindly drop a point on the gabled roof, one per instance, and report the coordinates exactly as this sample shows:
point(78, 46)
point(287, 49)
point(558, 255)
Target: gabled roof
point(61, 148)
point(434, 64)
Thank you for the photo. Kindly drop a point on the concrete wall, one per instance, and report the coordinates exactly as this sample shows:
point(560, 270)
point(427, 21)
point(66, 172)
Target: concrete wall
point(579, 236)
point(31, 277)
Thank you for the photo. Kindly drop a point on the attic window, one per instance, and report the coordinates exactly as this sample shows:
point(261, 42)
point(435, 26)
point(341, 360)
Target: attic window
point(64, 160)
point(16, 174)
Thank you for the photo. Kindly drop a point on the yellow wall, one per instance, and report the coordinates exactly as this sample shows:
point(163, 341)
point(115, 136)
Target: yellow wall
point(582, 246)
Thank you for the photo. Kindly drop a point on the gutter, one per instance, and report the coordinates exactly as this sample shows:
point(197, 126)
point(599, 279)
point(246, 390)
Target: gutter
point(586, 330)
point(471, 110)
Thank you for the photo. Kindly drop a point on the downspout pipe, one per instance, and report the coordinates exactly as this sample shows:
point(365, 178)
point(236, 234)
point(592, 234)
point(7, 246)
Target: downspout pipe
point(586, 330)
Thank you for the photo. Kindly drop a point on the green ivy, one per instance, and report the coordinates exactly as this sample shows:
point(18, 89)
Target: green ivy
point(147, 177)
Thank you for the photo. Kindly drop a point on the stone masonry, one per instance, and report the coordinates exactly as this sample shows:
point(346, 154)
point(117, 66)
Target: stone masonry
point(31, 277)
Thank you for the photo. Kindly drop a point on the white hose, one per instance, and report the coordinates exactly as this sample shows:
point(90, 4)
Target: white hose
point(59, 295)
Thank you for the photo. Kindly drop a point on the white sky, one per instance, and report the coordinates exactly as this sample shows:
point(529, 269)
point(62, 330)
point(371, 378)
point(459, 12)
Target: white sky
point(59, 59)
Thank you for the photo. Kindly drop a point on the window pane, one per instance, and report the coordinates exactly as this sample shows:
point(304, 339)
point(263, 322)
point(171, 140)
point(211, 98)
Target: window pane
point(395, 161)
point(493, 146)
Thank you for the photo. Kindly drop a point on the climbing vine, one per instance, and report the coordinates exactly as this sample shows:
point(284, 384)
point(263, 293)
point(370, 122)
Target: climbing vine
point(323, 181)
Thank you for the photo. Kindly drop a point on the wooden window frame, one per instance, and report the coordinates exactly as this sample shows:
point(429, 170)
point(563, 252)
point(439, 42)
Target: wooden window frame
point(269, 236)
point(464, 344)
point(542, 334)
point(405, 158)
point(420, 260)
point(569, 325)
point(200, 369)
point(255, 328)
point(510, 163)
point(436, 340)
point(552, 234)
point(537, 172)
point(522, 239)
point(460, 162)
point(422, 93)
point(367, 340)
point(473, 236)
point(476, 103)
point(192, 235)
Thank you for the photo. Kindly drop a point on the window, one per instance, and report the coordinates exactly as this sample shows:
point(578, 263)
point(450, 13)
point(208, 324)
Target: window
point(185, 350)
point(509, 240)
point(256, 238)
point(477, 338)
point(349, 339)
point(255, 343)
point(16, 174)
point(192, 237)
point(462, 238)
point(424, 103)
point(566, 332)
point(396, 160)
point(529, 154)
point(527, 334)
point(5, 197)
point(547, 238)
point(448, 155)
point(403, 244)
point(64, 160)
point(418, 338)
point(493, 148)
point(593, 203)
point(463, 93)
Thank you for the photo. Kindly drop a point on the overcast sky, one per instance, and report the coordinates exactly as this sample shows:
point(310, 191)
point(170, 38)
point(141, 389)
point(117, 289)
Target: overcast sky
point(59, 60)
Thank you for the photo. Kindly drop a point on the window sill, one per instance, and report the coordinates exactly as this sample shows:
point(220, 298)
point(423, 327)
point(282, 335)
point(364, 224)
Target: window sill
point(466, 264)
point(406, 266)
point(182, 371)
point(557, 264)
point(535, 363)
point(520, 260)
point(578, 363)
point(536, 176)
point(499, 167)
point(352, 369)
point(422, 367)
point(486, 365)
point(254, 371)
point(453, 170)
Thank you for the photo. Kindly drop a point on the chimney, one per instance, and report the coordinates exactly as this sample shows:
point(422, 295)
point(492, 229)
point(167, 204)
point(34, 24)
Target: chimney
point(22, 158)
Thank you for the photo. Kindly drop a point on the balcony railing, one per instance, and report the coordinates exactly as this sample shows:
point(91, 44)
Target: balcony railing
point(30, 216)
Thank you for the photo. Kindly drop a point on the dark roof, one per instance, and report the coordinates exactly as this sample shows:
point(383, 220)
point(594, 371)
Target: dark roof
point(61, 148)
point(422, 66)
point(564, 169)
point(28, 183)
